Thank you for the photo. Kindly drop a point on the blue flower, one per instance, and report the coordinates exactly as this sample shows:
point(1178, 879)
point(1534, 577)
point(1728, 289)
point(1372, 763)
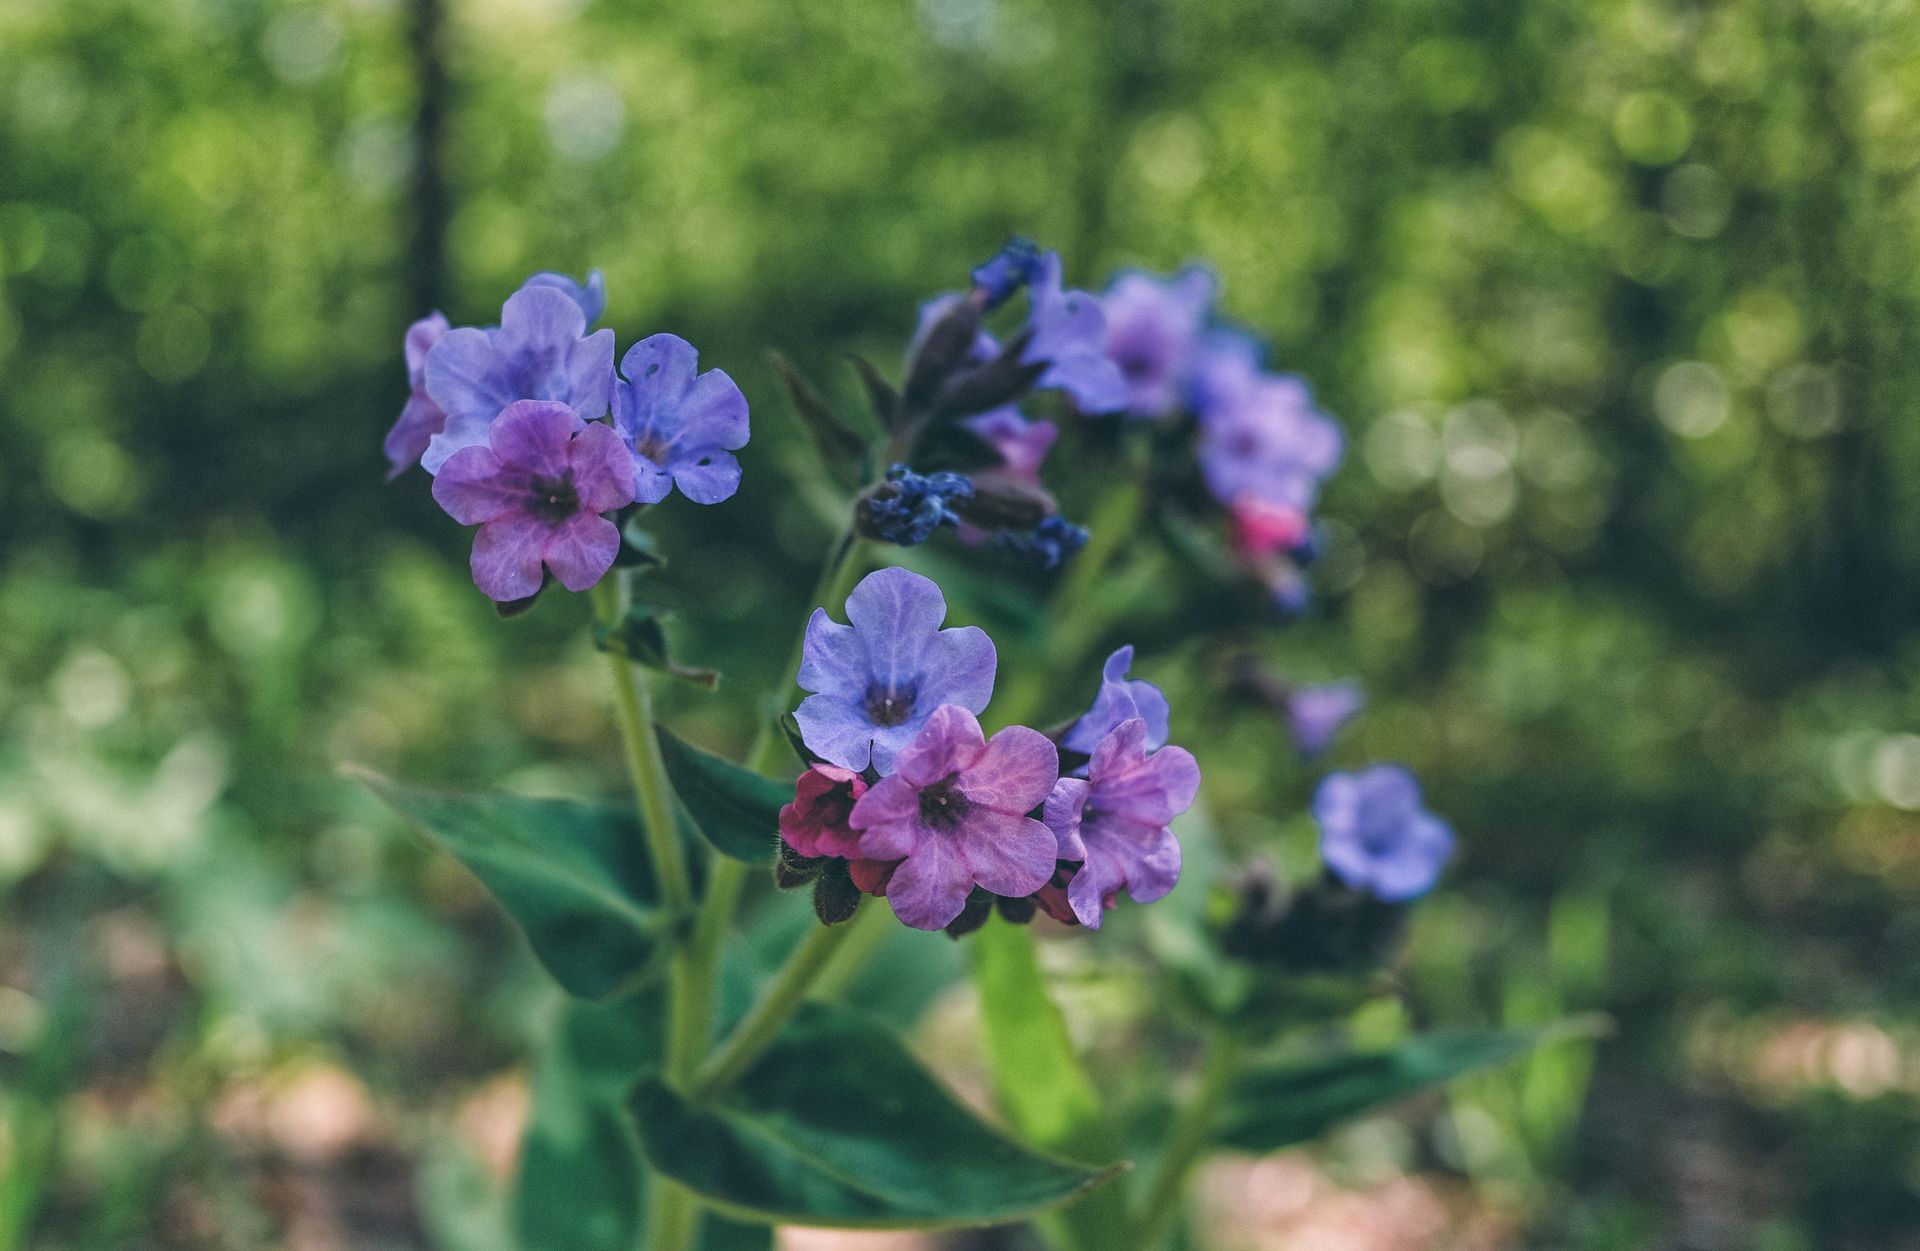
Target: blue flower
point(1006, 271)
point(681, 425)
point(1375, 836)
point(908, 507)
point(875, 682)
point(1069, 336)
point(1121, 698)
point(1153, 331)
point(540, 351)
point(591, 295)
point(1047, 544)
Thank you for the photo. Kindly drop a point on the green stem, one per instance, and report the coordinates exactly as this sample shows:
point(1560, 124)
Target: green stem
point(843, 565)
point(673, 1215)
point(777, 1004)
point(1187, 1140)
point(1074, 609)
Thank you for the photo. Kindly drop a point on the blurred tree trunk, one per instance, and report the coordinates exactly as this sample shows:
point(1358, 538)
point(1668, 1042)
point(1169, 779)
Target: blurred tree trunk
point(430, 203)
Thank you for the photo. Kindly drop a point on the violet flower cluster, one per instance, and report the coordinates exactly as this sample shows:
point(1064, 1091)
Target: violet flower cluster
point(513, 422)
point(914, 801)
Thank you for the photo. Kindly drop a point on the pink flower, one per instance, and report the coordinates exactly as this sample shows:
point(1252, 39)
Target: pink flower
point(537, 489)
point(954, 813)
point(1261, 527)
point(815, 823)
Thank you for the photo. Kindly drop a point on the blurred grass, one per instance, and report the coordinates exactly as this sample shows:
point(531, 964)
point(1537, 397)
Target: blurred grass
point(1617, 301)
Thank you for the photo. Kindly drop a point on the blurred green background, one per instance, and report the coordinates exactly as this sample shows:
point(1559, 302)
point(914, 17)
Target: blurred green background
point(1616, 300)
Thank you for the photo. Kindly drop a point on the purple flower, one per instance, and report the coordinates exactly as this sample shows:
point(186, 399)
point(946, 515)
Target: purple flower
point(1069, 334)
point(1120, 699)
point(1119, 821)
point(876, 682)
point(1268, 442)
point(591, 295)
point(536, 490)
point(1153, 330)
point(1316, 713)
point(954, 813)
point(1023, 445)
point(1226, 365)
point(1375, 836)
point(682, 426)
point(540, 351)
point(421, 419)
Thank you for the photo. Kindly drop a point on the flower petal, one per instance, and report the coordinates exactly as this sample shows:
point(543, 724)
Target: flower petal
point(958, 668)
point(835, 730)
point(888, 819)
point(930, 887)
point(581, 551)
point(474, 487)
point(1015, 773)
point(602, 469)
point(897, 613)
point(1066, 803)
point(832, 658)
point(534, 435)
point(419, 421)
point(950, 743)
point(506, 556)
point(706, 477)
point(538, 317)
point(1008, 854)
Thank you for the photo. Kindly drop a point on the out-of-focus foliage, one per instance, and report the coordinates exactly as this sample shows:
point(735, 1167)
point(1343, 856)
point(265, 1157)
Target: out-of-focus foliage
point(1618, 303)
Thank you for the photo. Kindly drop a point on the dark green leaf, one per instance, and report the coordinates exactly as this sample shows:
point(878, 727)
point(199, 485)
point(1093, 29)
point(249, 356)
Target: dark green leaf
point(641, 637)
point(1295, 1101)
point(736, 809)
point(575, 876)
point(838, 1125)
point(842, 449)
point(582, 1184)
point(638, 548)
point(880, 393)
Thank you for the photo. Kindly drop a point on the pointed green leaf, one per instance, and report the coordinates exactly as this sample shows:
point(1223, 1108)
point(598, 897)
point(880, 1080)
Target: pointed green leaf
point(1038, 1078)
point(843, 450)
point(574, 876)
point(1295, 1101)
point(838, 1125)
point(641, 636)
point(736, 809)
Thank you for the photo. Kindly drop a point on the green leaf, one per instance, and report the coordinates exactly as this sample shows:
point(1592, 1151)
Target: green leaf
point(582, 1184)
point(737, 810)
point(1290, 1102)
point(880, 393)
point(1038, 1078)
point(575, 876)
point(641, 636)
point(838, 1125)
point(843, 450)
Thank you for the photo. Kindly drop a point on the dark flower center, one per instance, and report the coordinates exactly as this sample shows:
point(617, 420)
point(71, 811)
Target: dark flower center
point(553, 500)
point(1137, 362)
point(653, 448)
point(886, 706)
point(943, 806)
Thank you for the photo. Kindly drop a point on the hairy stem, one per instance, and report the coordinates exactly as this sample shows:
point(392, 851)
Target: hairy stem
point(1187, 1140)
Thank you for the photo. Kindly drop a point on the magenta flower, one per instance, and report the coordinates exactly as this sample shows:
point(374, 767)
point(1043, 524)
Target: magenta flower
point(876, 682)
point(1375, 836)
point(815, 823)
point(540, 351)
point(1153, 331)
point(1120, 698)
point(683, 426)
point(1119, 820)
point(1316, 713)
point(954, 813)
point(421, 419)
point(536, 490)
point(1258, 527)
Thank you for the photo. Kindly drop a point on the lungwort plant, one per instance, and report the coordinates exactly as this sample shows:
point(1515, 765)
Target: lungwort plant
point(728, 1064)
